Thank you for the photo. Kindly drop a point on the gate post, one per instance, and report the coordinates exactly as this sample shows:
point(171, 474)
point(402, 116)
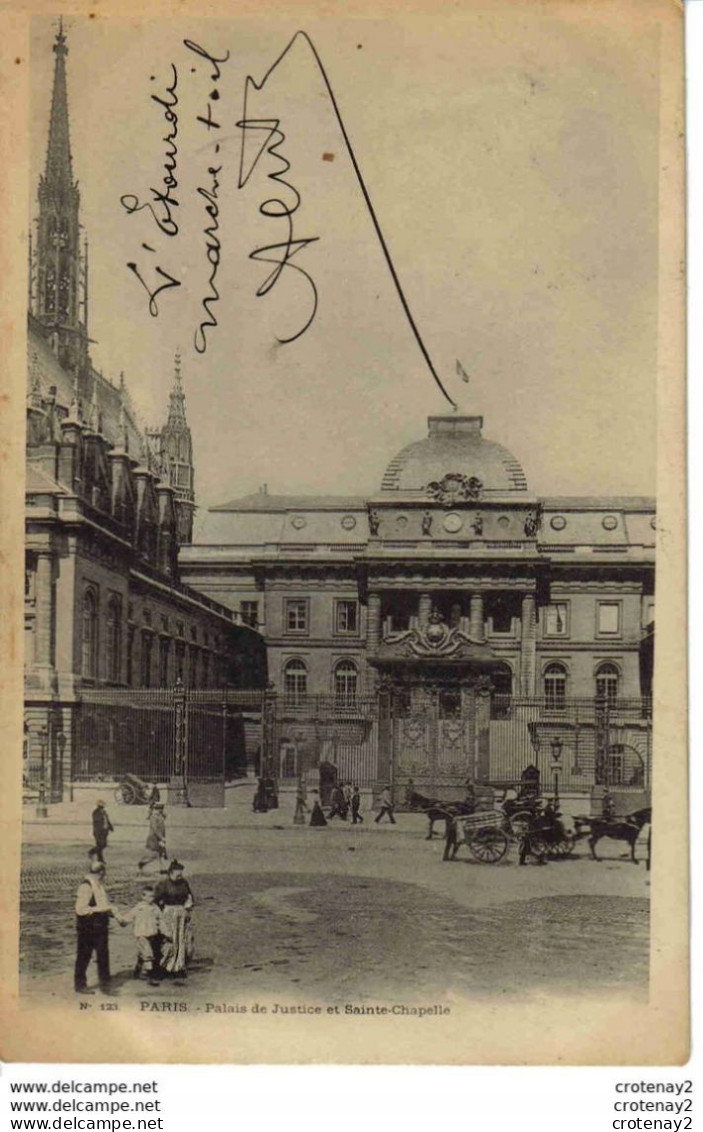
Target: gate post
point(178, 780)
point(384, 775)
point(268, 737)
point(483, 729)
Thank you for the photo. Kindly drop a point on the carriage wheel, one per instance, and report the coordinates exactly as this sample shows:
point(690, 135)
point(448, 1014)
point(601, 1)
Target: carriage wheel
point(489, 846)
point(126, 794)
point(520, 823)
point(564, 847)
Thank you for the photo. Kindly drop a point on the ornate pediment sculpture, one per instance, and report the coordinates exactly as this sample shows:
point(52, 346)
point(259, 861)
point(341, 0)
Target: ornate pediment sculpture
point(436, 639)
point(454, 488)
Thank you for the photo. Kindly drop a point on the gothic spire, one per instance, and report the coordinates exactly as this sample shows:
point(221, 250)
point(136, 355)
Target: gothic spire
point(59, 170)
point(60, 279)
point(177, 399)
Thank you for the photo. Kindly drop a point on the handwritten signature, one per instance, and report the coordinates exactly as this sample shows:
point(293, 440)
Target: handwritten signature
point(278, 254)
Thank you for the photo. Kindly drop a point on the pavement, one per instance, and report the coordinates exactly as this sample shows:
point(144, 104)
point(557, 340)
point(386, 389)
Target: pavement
point(343, 910)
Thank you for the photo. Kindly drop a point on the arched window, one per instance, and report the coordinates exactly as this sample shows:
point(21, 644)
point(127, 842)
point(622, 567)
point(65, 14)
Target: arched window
point(345, 682)
point(114, 639)
point(607, 680)
point(295, 683)
point(555, 687)
point(89, 635)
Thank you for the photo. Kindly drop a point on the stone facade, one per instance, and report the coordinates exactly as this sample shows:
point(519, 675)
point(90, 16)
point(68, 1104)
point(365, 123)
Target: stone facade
point(488, 614)
point(543, 581)
point(107, 507)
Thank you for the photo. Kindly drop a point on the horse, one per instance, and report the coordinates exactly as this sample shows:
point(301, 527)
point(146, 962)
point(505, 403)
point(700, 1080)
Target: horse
point(436, 810)
point(618, 829)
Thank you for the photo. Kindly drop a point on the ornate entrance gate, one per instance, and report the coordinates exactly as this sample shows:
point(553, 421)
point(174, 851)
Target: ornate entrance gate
point(436, 732)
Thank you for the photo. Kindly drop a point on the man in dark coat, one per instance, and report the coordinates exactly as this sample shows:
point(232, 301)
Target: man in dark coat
point(102, 826)
point(339, 804)
point(356, 806)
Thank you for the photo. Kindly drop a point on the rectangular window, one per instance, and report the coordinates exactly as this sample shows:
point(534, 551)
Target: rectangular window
point(249, 612)
point(164, 648)
point(147, 645)
point(556, 619)
point(346, 617)
point(130, 655)
point(608, 618)
point(296, 615)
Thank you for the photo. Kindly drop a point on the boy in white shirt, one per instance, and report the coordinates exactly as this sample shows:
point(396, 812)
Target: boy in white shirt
point(145, 916)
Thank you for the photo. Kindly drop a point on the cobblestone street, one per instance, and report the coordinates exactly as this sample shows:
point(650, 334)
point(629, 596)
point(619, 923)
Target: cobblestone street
point(343, 913)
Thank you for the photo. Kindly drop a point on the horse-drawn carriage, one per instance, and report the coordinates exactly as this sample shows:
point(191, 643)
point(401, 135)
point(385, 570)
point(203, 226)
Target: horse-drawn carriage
point(487, 827)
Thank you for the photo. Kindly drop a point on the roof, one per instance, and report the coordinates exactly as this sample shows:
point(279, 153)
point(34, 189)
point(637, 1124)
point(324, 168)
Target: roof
point(599, 503)
point(262, 501)
point(38, 482)
point(454, 447)
point(45, 365)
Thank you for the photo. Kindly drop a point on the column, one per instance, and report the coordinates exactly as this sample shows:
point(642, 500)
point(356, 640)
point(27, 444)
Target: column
point(424, 608)
point(373, 624)
point(44, 610)
point(477, 628)
point(528, 646)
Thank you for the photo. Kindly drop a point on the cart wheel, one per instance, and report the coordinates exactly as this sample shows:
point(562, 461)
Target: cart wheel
point(520, 824)
point(541, 847)
point(564, 847)
point(119, 797)
point(489, 846)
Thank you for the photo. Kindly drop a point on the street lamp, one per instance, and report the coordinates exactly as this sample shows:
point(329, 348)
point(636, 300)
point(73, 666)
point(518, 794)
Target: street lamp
point(42, 811)
point(557, 746)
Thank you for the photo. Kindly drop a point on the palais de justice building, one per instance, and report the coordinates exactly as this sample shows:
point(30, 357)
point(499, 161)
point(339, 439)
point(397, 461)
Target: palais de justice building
point(486, 622)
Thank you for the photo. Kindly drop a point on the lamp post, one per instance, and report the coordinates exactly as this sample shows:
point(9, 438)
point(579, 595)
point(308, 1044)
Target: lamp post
point(557, 746)
point(42, 811)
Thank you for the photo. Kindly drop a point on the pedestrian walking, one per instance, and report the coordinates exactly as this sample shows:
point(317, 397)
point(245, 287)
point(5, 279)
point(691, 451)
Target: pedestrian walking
point(356, 806)
point(260, 802)
point(102, 826)
point(339, 805)
point(317, 816)
point(300, 804)
point(156, 838)
point(386, 806)
point(93, 912)
point(145, 916)
point(451, 838)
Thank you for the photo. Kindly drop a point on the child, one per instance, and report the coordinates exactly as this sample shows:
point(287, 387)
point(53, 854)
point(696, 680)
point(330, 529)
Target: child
point(145, 916)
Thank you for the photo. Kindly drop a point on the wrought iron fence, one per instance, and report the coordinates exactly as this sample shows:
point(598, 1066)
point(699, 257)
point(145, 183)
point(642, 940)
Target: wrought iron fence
point(323, 736)
point(580, 742)
point(217, 735)
point(163, 733)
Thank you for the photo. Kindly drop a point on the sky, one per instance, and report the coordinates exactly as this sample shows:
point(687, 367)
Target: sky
point(511, 157)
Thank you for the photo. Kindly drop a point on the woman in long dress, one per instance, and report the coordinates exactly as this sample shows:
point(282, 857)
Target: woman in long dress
point(175, 899)
point(301, 807)
point(317, 817)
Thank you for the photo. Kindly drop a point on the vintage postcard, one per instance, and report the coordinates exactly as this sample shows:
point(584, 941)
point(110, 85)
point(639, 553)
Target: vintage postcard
point(343, 457)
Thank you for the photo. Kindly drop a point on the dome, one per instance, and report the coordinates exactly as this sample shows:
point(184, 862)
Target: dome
point(454, 447)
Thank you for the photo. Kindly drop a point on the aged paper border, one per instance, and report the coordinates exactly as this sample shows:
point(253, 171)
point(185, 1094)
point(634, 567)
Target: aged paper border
point(552, 1031)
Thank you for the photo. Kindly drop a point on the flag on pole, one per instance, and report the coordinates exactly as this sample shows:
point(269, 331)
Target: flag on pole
point(462, 372)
